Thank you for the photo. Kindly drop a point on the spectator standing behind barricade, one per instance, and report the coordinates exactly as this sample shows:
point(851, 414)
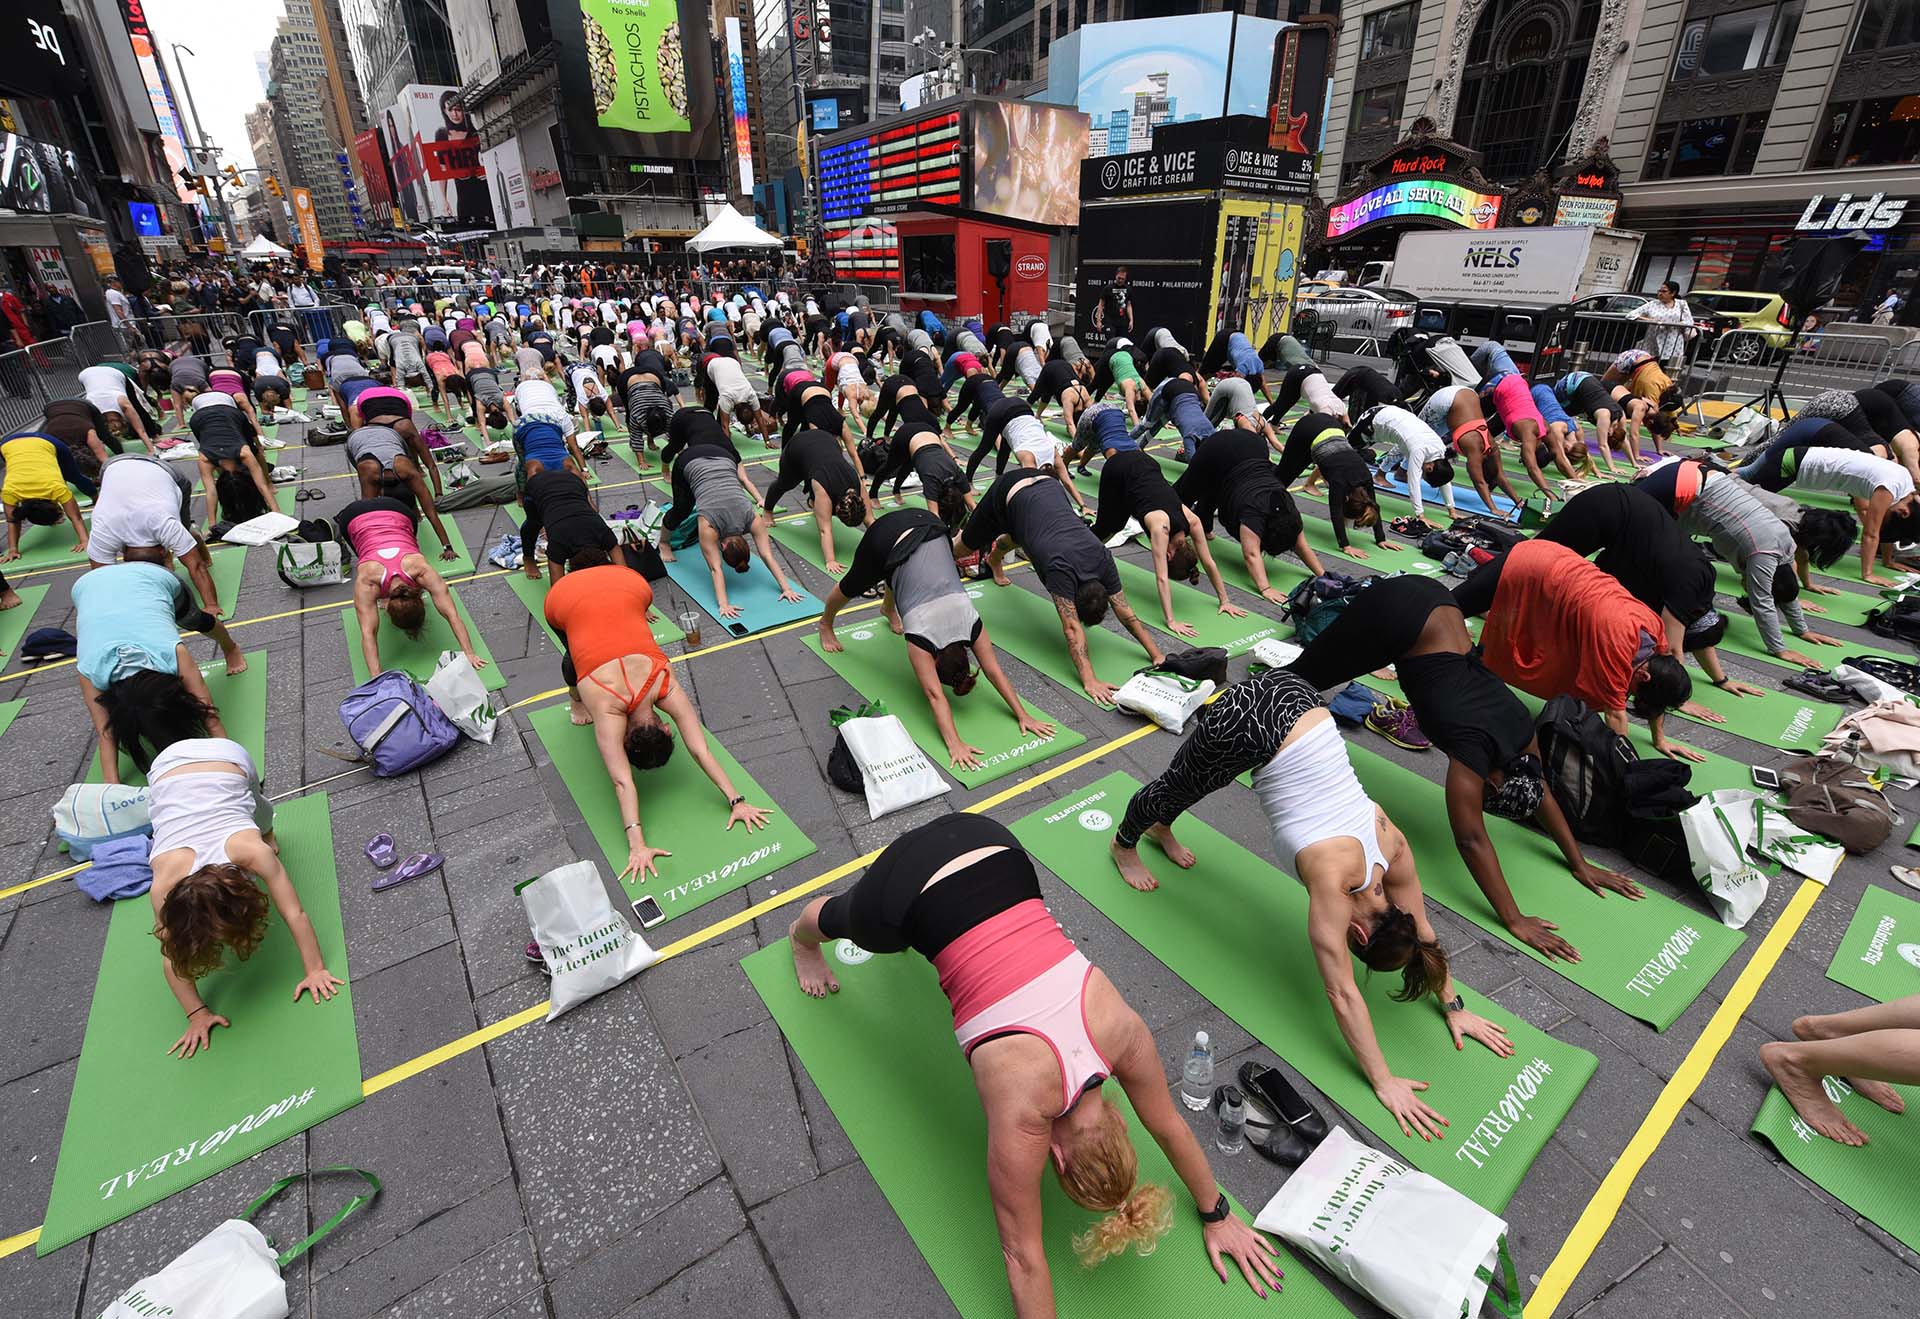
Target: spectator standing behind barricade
point(1671, 325)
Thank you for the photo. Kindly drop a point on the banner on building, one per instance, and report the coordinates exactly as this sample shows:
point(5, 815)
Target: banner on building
point(476, 54)
point(507, 181)
point(309, 224)
point(742, 128)
point(39, 178)
point(435, 151)
point(173, 139)
point(373, 169)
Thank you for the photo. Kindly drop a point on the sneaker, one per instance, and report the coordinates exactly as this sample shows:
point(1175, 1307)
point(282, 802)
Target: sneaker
point(534, 955)
point(1399, 727)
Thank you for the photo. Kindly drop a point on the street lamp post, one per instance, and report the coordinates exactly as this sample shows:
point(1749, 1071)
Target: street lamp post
point(206, 147)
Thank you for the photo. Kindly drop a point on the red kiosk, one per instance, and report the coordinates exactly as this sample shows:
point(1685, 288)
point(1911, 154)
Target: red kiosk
point(958, 204)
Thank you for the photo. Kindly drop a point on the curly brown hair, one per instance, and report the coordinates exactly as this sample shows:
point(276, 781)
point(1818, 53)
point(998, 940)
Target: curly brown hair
point(214, 908)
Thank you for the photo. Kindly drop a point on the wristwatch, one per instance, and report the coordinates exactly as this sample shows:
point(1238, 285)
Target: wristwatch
point(1217, 1214)
point(735, 801)
point(1457, 1003)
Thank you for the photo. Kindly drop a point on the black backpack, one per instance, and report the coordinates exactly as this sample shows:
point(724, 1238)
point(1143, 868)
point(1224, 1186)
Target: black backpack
point(1897, 673)
point(1650, 833)
point(1900, 619)
point(1491, 533)
point(1198, 663)
point(1586, 767)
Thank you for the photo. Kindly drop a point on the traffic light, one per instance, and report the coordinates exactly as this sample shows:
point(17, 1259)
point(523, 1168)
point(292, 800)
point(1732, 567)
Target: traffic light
point(233, 176)
point(273, 186)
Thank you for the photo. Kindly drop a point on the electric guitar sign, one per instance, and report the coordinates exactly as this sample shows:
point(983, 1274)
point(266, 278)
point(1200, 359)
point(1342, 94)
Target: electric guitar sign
point(1300, 67)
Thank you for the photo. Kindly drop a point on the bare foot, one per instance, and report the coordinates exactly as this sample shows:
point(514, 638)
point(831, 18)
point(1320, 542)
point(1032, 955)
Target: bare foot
point(1808, 1097)
point(816, 981)
point(1878, 1092)
point(578, 713)
point(9, 599)
point(236, 664)
point(1132, 868)
point(1177, 852)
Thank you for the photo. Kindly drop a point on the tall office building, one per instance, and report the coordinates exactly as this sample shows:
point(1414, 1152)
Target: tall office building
point(300, 96)
point(394, 43)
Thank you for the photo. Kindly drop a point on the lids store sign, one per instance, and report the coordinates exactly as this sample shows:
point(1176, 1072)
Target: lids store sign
point(1875, 212)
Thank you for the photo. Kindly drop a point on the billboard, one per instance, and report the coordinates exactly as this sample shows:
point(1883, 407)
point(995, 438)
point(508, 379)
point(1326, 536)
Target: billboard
point(1258, 247)
point(1435, 198)
point(436, 159)
point(373, 169)
point(507, 180)
point(1026, 161)
point(742, 128)
point(309, 224)
point(1133, 76)
point(915, 163)
point(1144, 265)
point(146, 219)
point(173, 139)
point(474, 51)
point(648, 68)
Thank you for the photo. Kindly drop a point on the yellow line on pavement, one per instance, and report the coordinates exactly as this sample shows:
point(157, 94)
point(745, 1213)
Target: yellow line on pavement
point(1601, 1210)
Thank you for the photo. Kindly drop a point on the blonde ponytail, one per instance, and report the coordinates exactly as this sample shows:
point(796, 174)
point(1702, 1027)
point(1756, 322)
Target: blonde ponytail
point(1141, 1220)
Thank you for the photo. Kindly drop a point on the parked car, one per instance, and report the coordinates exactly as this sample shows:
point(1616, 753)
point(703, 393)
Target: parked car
point(1313, 288)
point(1764, 314)
point(1369, 313)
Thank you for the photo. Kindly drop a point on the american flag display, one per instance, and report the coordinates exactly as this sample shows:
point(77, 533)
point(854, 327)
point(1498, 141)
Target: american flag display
point(911, 164)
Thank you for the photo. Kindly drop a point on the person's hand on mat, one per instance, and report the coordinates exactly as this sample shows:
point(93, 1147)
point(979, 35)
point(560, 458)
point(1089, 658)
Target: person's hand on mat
point(1675, 751)
point(791, 594)
point(1274, 595)
point(754, 817)
point(448, 554)
point(835, 568)
point(1101, 692)
point(475, 660)
point(1472, 1026)
point(1232, 610)
point(1702, 713)
point(729, 610)
point(962, 756)
point(1819, 639)
point(1875, 579)
point(1040, 728)
point(198, 1034)
point(642, 862)
point(1180, 629)
point(1602, 881)
point(532, 569)
point(322, 984)
point(9, 556)
point(1416, 1117)
point(1355, 552)
point(1734, 687)
point(1814, 609)
point(1393, 545)
point(1232, 1238)
point(1819, 589)
point(1539, 935)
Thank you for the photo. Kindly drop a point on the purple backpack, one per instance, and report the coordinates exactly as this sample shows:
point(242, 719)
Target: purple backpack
point(396, 725)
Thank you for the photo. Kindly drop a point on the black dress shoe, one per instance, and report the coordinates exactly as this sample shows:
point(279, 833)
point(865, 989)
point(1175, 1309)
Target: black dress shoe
point(1272, 1089)
point(1271, 1136)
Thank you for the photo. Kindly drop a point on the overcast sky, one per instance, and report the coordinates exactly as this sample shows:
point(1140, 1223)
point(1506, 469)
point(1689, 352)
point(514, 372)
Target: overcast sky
point(229, 38)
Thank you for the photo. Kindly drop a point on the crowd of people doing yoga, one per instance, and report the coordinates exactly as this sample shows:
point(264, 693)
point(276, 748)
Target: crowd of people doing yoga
point(1604, 604)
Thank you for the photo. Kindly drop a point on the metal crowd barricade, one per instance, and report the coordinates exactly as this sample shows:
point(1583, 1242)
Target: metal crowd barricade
point(1829, 358)
point(32, 377)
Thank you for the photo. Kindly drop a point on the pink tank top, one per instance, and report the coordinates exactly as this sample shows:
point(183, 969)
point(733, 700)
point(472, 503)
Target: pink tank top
point(227, 382)
point(1016, 973)
point(794, 379)
point(385, 535)
point(385, 391)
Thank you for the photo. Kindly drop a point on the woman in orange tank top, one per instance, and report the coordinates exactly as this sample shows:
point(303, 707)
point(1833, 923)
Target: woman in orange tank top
point(619, 682)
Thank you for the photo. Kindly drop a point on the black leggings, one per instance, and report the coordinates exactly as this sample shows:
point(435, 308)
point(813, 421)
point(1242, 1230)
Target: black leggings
point(1380, 624)
point(1242, 730)
point(1475, 595)
point(891, 908)
point(1290, 391)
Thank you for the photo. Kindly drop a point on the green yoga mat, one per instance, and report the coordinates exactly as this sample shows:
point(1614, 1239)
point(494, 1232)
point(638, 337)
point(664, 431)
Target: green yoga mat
point(1649, 958)
point(1027, 625)
point(1848, 607)
point(15, 623)
point(681, 811)
point(1781, 719)
point(141, 1125)
point(228, 566)
point(1234, 928)
point(45, 547)
point(1879, 955)
point(9, 711)
point(1198, 609)
point(242, 702)
point(533, 594)
point(461, 564)
point(874, 663)
point(881, 1052)
point(1876, 1179)
point(799, 534)
point(417, 656)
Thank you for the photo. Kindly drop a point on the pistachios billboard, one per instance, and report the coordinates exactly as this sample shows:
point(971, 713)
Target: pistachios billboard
point(639, 77)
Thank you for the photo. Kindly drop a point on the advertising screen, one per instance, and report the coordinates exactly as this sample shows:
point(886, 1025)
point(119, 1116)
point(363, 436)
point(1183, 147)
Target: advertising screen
point(1026, 161)
point(1131, 77)
point(373, 168)
point(507, 179)
point(646, 74)
point(146, 218)
point(742, 128)
point(436, 159)
point(1126, 279)
point(172, 136)
point(911, 164)
point(1430, 197)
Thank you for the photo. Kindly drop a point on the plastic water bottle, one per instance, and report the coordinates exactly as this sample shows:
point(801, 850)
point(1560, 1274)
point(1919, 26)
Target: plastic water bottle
point(1233, 1122)
point(1196, 1079)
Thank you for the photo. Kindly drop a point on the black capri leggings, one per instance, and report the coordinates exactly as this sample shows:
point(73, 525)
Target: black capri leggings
point(892, 909)
point(1290, 391)
point(1380, 624)
point(1475, 595)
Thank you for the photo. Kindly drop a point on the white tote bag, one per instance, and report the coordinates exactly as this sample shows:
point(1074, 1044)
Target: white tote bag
point(1166, 698)
point(456, 688)
point(1275, 652)
point(1417, 1247)
point(589, 945)
point(897, 773)
point(1736, 841)
point(307, 563)
point(233, 1271)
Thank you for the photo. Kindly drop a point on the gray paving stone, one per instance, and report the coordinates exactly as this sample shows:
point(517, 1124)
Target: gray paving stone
point(734, 1280)
point(52, 960)
point(1543, 1212)
point(1532, 1004)
point(603, 1133)
point(1666, 1284)
point(659, 1249)
point(411, 1007)
point(701, 996)
point(831, 1147)
point(865, 1267)
point(743, 1090)
point(482, 867)
point(466, 1260)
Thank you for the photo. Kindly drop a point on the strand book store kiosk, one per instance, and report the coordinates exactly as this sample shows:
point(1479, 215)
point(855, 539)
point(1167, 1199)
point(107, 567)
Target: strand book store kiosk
point(957, 203)
point(1200, 233)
